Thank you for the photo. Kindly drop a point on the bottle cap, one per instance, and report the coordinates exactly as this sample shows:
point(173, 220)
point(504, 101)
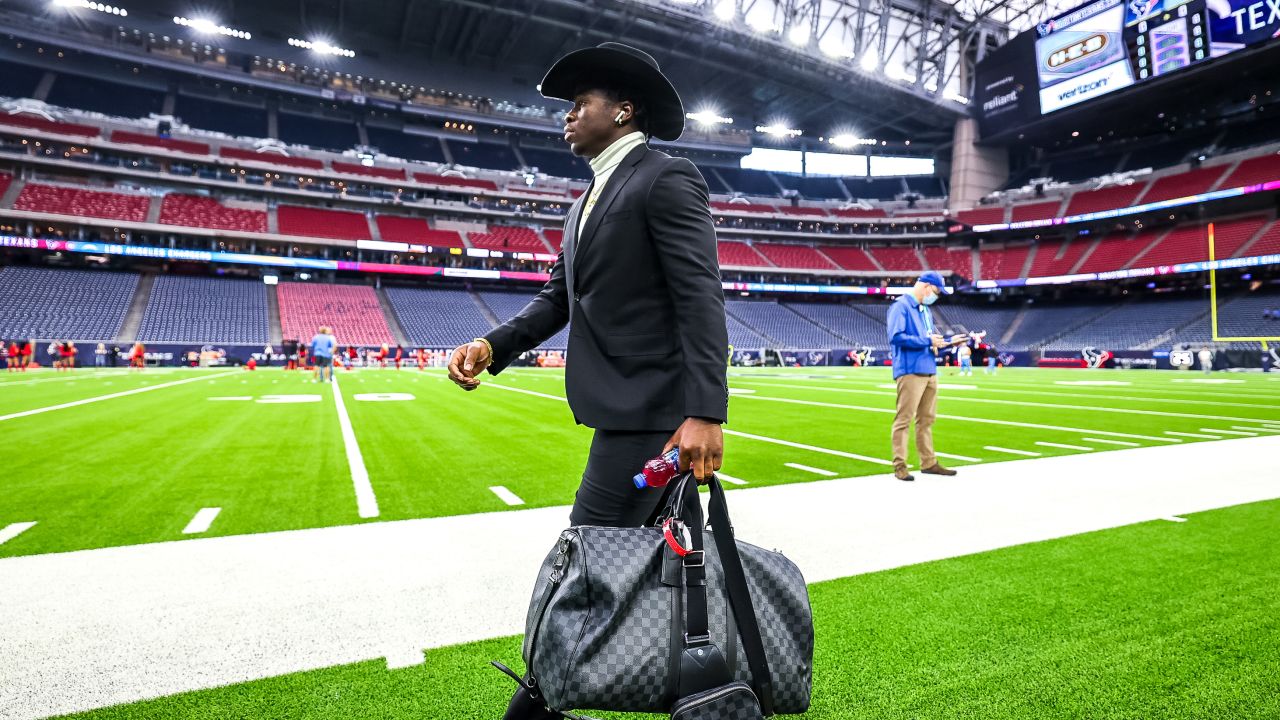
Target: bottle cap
point(639, 480)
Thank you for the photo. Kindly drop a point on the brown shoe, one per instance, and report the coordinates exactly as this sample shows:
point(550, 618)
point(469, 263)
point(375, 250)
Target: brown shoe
point(901, 473)
point(937, 469)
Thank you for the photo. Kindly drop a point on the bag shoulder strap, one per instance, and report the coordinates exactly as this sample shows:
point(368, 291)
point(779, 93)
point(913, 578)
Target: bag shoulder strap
point(740, 597)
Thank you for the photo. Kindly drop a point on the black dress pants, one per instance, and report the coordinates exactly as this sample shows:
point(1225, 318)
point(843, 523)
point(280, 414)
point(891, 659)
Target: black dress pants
point(607, 495)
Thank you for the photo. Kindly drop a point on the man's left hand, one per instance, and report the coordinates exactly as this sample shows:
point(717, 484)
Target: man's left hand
point(701, 446)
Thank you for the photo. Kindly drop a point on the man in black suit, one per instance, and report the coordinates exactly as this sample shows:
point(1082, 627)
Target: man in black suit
point(638, 283)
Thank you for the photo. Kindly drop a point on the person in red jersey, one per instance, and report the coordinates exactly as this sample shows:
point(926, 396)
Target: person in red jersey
point(138, 357)
point(27, 348)
point(13, 360)
point(422, 359)
point(399, 355)
point(69, 362)
point(351, 357)
point(60, 363)
point(251, 364)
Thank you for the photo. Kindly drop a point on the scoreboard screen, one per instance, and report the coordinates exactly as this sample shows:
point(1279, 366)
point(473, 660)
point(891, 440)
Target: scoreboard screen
point(1109, 45)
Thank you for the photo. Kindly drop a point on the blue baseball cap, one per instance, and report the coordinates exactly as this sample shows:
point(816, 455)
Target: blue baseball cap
point(934, 278)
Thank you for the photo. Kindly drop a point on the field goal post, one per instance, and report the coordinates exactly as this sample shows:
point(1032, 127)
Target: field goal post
point(1213, 302)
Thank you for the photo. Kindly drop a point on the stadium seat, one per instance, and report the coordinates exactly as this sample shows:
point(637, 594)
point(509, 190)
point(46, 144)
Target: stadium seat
point(386, 173)
point(957, 259)
point(1003, 263)
point(995, 321)
point(1183, 184)
point(794, 256)
point(744, 207)
point(5, 180)
point(205, 310)
point(860, 213)
point(353, 311)
point(509, 238)
point(1253, 171)
point(554, 237)
point(1044, 321)
point(981, 216)
point(271, 158)
point(505, 305)
point(849, 258)
point(1118, 250)
point(397, 228)
point(1188, 243)
point(1267, 244)
point(438, 317)
point(204, 212)
point(1058, 256)
point(173, 144)
point(803, 211)
point(786, 327)
point(740, 254)
point(36, 122)
point(1123, 327)
point(1231, 235)
point(856, 324)
point(1109, 198)
point(36, 197)
point(896, 258)
point(451, 181)
point(314, 222)
point(1036, 211)
point(79, 305)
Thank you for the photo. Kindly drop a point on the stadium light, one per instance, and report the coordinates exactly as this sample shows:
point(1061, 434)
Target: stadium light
point(799, 35)
point(209, 27)
point(322, 47)
point(709, 117)
point(725, 10)
point(956, 97)
point(897, 72)
point(870, 61)
point(87, 5)
point(778, 130)
point(834, 48)
point(760, 23)
point(848, 141)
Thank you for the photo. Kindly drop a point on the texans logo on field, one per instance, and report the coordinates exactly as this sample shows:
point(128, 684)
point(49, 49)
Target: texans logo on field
point(1006, 359)
point(1095, 358)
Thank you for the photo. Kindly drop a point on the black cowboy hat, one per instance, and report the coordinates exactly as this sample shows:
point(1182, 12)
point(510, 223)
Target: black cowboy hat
point(632, 67)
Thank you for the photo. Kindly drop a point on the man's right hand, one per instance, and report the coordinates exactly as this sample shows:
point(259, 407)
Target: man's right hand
point(467, 362)
point(939, 341)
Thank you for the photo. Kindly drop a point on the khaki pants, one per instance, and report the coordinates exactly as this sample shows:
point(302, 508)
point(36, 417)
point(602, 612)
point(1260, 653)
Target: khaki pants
point(918, 400)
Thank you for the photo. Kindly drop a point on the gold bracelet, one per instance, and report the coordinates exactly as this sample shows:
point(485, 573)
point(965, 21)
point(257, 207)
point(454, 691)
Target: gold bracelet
point(487, 344)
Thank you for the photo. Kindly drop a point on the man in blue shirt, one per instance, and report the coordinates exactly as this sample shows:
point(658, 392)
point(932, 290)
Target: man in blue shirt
point(322, 346)
point(914, 347)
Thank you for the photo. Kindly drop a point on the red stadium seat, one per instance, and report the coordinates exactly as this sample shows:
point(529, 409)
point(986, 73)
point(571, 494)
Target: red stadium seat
point(1058, 257)
point(1183, 184)
point(555, 237)
point(314, 222)
point(1189, 243)
point(849, 258)
point(353, 311)
point(860, 213)
point(397, 228)
point(736, 253)
point(87, 203)
point(183, 146)
point(1116, 251)
point(803, 211)
point(1254, 171)
point(271, 158)
point(981, 216)
point(1004, 263)
point(898, 259)
point(509, 238)
point(1231, 235)
point(432, 179)
point(745, 207)
point(957, 259)
point(794, 256)
point(203, 212)
point(1036, 211)
point(1267, 244)
point(5, 179)
point(358, 169)
point(1110, 198)
point(35, 122)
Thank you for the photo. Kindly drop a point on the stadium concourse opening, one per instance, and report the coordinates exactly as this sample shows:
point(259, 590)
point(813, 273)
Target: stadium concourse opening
point(192, 525)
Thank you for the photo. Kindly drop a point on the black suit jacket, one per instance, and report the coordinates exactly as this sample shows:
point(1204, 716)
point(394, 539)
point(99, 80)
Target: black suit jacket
point(641, 293)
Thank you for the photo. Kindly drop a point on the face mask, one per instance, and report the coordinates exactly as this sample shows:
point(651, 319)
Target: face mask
point(931, 299)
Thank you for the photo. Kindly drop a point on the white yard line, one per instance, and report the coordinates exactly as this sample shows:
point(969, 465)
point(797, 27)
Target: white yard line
point(735, 433)
point(814, 470)
point(506, 495)
point(13, 530)
point(952, 456)
point(1229, 432)
point(1086, 392)
point(1174, 518)
point(201, 522)
point(366, 501)
point(964, 397)
point(965, 418)
point(100, 398)
point(1064, 446)
point(1011, 451)
point(730, 479)
point(1193, 435)
point(1261, 429)
point(1111, 442)
point(159, 619)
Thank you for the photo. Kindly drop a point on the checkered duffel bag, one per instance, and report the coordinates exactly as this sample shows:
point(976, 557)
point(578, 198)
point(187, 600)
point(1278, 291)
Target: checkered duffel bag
point(645, 619)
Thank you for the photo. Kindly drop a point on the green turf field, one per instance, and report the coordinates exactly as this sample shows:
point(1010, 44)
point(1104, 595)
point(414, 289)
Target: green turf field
point(1156, 620)
point(135, 468)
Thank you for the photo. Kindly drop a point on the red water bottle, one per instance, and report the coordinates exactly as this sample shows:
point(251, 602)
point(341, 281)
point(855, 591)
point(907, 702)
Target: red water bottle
point(659, 471)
